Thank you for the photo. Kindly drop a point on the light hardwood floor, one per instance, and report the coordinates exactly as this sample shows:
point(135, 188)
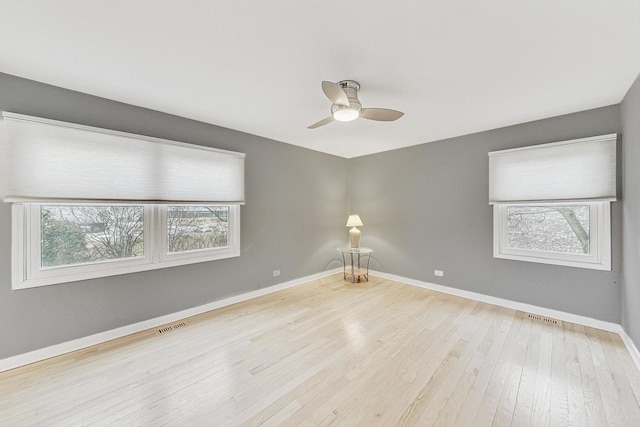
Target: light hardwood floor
point(335, 353)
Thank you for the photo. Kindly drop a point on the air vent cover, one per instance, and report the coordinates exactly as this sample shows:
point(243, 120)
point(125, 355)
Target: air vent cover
point(541, 318)
point(171, 327)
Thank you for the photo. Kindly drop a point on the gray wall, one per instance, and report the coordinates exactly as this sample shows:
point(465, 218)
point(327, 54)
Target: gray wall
point(631, 213)
point(296, 204)
point(426, 207)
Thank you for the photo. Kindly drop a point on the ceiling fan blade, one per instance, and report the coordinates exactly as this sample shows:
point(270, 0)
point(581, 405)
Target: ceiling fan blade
point(380, 114)
point(335, 93)
point(321, 123)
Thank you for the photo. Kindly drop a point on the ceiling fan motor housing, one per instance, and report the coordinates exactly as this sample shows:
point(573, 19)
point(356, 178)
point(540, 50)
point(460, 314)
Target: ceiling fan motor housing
point(354, 104)
point(350, 88)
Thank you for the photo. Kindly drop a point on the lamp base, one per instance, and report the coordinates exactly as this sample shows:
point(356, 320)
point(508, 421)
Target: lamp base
point(354, 238)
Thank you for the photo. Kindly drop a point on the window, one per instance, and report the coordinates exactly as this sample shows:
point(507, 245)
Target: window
point(196, 228)
point(570, 234)
point(55, 243)
point(82, 234)
point(551, 202)
point(199, 233)
point(91, 202)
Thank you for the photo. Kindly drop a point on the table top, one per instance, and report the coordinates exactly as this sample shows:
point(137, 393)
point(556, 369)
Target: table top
point(364, 251)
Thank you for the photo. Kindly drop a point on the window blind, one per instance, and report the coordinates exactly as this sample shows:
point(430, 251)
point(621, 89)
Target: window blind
point(579, 169)
point(49, 160)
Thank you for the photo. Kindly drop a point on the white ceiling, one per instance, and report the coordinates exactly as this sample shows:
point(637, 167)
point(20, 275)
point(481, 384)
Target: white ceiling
point(453, 67)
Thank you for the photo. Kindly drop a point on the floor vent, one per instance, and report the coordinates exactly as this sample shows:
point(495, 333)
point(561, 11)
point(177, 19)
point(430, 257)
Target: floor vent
point(172, 327)
point(542, 319)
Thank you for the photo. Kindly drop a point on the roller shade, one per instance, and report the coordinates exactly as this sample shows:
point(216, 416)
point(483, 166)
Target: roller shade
point(49, 160)
point(580, 169)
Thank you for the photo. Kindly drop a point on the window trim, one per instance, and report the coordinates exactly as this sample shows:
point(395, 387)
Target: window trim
point(26, 247)
point(200, 255)
point(599, 234)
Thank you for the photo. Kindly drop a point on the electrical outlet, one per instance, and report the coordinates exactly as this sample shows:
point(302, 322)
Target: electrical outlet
point(276, 273)
point(439, 273)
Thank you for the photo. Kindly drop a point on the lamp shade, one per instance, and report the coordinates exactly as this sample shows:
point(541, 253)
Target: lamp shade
point(354, 221)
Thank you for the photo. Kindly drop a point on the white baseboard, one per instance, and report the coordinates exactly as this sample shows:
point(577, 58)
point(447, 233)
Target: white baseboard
point(101, 337)
point(534, 309)
point(633, 350)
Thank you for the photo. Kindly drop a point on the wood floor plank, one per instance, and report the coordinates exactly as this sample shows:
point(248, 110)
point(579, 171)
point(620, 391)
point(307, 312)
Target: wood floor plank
point(417, 370)
point(632, 375)
point(329, 352)
point(558, 379)
point(459, 398)
point(492, 394)
point(591, 388)
point(469, 412)
point(576, 406)
point(542, 394)
point(523, 411)
point(620, 377)
point(400, 356)
point(611, 397)
point(436, 407)
point(515, 359)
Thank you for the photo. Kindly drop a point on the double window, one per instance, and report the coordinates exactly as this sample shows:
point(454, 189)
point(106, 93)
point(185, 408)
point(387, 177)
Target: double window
point(55, 243)
point(551, 202)
point(90, 202)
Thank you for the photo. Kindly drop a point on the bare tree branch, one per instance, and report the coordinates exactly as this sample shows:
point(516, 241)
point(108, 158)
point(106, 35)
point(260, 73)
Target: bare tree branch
point(575, 225)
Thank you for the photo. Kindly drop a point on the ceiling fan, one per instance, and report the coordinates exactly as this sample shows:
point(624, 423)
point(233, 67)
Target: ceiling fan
point(346, 106)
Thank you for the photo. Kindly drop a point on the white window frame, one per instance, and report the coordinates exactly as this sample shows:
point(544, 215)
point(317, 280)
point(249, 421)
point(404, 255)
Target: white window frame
point(599, 257)
point(200, 255)
point(27, 271)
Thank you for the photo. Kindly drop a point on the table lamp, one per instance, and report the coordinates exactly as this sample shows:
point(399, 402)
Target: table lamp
point(354, 234)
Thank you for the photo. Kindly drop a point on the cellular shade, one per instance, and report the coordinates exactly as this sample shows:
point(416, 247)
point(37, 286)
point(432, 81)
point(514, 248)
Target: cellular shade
point(580, 169)
point(50, 160)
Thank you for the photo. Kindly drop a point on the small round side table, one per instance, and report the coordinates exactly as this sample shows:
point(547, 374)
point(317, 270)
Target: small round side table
point(355, 263)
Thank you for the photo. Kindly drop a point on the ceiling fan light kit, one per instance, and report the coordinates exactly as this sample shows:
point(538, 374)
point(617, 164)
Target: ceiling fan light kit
point(344, 114)
point(346, 106)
